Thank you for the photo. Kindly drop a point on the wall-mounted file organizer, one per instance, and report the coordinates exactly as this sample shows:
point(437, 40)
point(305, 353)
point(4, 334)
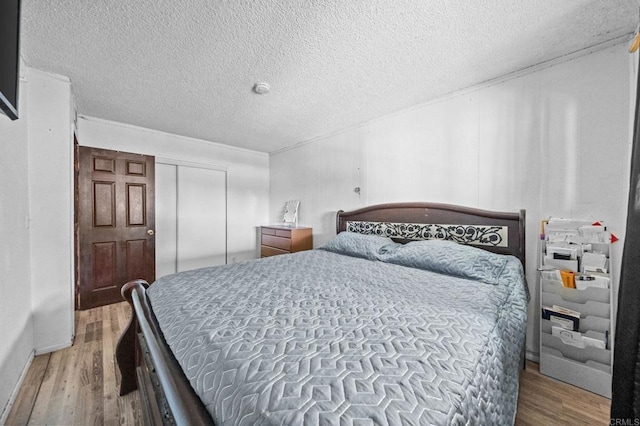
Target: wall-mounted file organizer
point(576, 320)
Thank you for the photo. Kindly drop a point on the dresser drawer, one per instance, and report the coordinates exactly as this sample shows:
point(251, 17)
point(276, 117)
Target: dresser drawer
point(285, 233)
point(277, 242)
point(279, 239)
point(268, 231)
point(266, 251)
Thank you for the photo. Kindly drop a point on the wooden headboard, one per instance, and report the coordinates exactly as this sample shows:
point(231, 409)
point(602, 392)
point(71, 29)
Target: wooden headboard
point(498, 232)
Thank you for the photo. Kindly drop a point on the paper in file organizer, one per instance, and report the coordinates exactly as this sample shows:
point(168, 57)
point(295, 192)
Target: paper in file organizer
point(576, 245)
point(576, 231)
point(594, 262)
point(560, 230)
point(595, 234)
point(551, 274)
point(575, 338)
point(571, 251)
point(563, 317)
point(585, 281)
point(568, 337)
point(571, 265)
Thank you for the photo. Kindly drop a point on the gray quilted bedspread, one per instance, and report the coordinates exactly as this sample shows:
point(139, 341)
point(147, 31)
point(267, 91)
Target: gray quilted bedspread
point(319, 338)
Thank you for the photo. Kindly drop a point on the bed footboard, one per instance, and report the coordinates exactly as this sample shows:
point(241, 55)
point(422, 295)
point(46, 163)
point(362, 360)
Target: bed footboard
point(146, 361)
point(126, 350)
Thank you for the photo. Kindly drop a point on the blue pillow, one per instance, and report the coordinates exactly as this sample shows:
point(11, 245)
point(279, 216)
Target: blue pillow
point(448, 257)
point(359, 245)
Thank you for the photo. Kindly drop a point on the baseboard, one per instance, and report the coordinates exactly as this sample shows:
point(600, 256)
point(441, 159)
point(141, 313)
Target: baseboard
point(53, 348)
point(532, 356)
point(16, 389)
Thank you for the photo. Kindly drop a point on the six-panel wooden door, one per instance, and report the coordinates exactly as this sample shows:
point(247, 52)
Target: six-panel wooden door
point(116, 223)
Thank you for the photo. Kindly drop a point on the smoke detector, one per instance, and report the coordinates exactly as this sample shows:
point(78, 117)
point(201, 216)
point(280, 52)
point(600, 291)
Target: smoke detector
point(262, 88)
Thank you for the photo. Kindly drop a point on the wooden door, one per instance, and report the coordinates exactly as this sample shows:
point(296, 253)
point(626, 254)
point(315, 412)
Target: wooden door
point(116, 220)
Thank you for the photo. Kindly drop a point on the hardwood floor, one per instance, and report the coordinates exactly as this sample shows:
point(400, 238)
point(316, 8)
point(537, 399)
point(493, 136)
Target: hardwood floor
point(79, 385)
point(546, 401)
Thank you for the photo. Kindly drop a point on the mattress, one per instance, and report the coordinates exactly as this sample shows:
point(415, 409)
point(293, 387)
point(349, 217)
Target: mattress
point(319, 337)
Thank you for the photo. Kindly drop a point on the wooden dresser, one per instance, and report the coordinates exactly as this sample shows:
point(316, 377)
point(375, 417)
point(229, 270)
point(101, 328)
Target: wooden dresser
point(277, 239)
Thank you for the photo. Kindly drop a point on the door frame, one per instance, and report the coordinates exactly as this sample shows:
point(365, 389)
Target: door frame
point(76, 224)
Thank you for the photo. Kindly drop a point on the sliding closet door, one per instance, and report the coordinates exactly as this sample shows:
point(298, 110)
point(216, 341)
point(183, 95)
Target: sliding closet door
point(191, 217)
point(202, 218)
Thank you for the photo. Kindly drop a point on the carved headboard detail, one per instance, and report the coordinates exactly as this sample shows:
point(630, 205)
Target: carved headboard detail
point(483, 235)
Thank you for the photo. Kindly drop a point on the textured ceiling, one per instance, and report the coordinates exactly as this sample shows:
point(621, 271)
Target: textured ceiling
point(188, 66)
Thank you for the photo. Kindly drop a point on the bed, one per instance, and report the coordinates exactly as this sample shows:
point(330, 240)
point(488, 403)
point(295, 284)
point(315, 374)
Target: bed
point(415, 313)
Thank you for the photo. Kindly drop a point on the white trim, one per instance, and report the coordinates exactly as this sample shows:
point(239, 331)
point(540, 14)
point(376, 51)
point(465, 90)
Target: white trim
point(461, 92)
point(16, 389)
point(53, 348)
point(174, 162)
point(52, 75)
point(72, 237)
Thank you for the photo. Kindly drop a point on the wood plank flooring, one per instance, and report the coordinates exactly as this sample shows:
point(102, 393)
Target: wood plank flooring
point(546, 401)
point(79, 385)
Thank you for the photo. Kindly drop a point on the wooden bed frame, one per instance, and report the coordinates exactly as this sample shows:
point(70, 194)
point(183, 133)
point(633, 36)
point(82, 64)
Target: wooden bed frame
point(465, 225)
point(147, 363)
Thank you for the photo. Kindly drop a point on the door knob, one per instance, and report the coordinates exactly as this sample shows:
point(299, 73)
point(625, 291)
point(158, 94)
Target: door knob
point(150, 231)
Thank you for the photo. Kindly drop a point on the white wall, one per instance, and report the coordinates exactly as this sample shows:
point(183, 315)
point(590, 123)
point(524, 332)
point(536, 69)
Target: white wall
point(247, 173)
point(51, 213)
point(36, 312)
point(554, 142)
point(16, 325)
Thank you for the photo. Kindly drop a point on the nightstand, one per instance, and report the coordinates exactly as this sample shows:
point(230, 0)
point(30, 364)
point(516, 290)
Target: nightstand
point(278, 239)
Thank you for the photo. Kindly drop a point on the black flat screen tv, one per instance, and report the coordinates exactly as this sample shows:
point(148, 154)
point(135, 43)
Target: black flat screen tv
point(9, 56)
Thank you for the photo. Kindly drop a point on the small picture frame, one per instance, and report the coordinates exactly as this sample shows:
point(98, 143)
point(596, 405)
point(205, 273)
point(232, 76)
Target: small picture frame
point(290, 216)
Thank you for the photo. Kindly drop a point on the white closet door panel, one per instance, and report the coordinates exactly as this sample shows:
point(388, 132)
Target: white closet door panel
point(201, 218)
point(166, 219)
